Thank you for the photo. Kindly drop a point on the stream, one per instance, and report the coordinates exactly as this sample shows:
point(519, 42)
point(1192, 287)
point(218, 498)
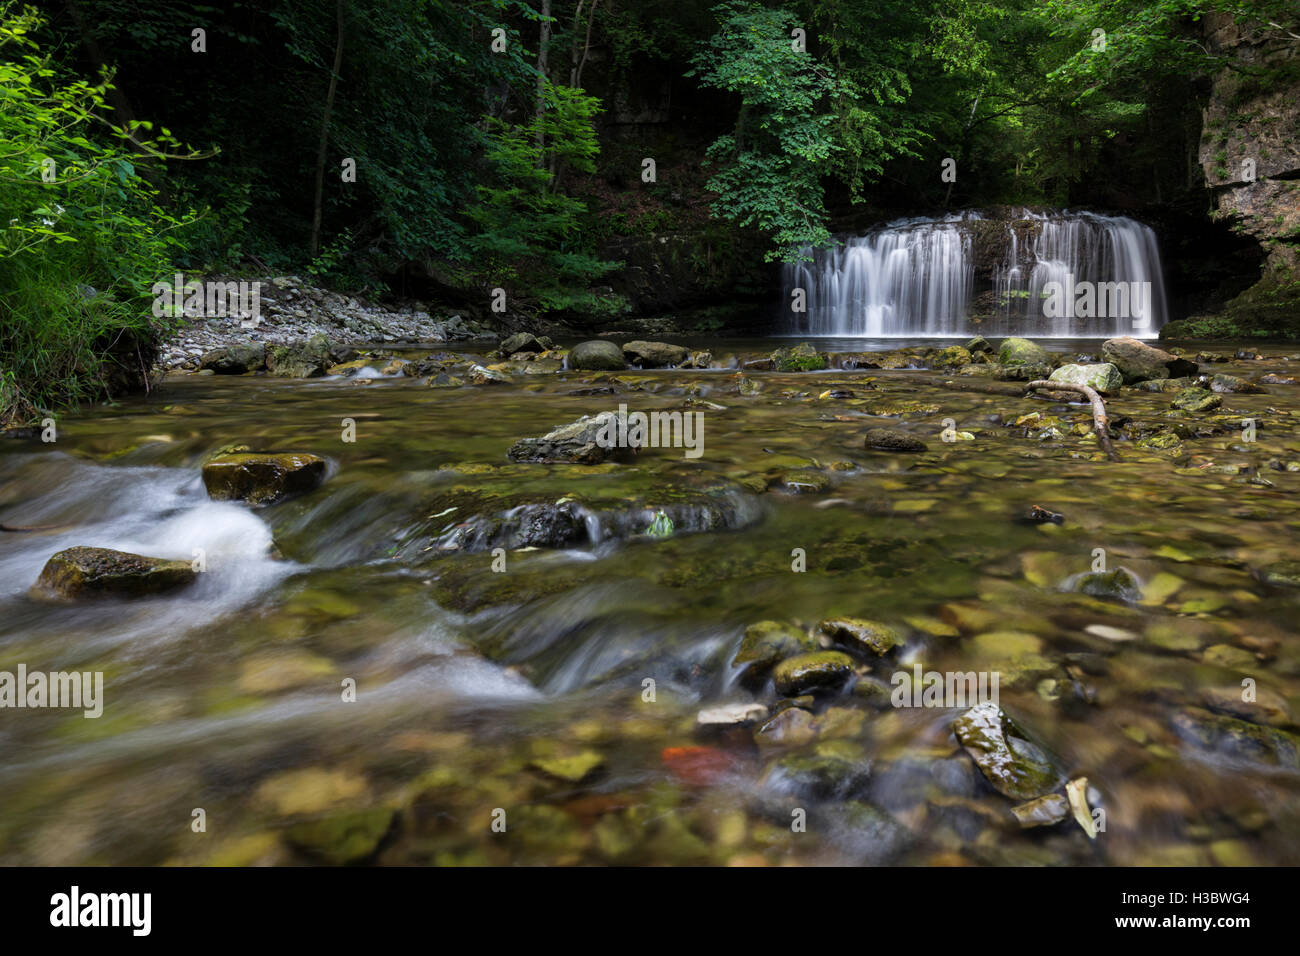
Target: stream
point(545, 711)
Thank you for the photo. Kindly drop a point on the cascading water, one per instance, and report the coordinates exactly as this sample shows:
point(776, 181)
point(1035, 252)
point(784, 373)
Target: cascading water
point(1068, 275)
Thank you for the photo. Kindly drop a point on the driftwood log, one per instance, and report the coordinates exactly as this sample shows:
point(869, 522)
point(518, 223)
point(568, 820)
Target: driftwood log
point(1100, 423)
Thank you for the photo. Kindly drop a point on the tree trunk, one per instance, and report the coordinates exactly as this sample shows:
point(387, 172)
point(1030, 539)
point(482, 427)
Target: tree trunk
point(324, 132)
point(543, 49)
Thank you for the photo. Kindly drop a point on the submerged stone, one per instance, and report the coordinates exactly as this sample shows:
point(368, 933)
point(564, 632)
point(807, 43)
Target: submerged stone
point(343, 839)
point(1042, 812)
point(1015, 766)
point(891, 439)
point(1238, 739)
point(87, 572)
point(262, 479)
point(1232, 383)
point(1119, 583)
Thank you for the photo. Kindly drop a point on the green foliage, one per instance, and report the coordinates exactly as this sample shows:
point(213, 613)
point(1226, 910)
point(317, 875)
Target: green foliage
point(769, 167)
point(529, 239)
point(81, 237)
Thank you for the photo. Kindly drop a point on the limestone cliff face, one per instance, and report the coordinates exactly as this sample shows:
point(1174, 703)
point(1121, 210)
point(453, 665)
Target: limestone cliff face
point(1250, 156)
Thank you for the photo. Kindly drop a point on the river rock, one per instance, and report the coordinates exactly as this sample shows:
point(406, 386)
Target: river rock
point(767, 642)
point(1018, 351)
point(1042, 812)
point(309, 360)
point(597, 355)
point(730, 715)
point(1237, 739)
point(654, 354)
point(1016, 766)
point(955, 356)
point(1103, 378)
point(805, 673)
point(1232, 383)
point(891, 439)
point(235, 359)
point(866, 636)
point(343, 839)
point(1281, 574)
point(572, 444)
point(799, 358)
point(520, 342)
point(485, 375)
point(1139, 362)
point(1197, 400)
point(979, 344)
point(1120, 583)
point(262, 479)
point(86, 572)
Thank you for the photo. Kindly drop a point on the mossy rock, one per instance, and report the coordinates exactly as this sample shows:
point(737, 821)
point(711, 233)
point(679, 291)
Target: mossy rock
point(866, 636)
point(799, 358)
point(1120, 583)
point(1196, 400)
point(893, 440)
point(343, 839)
point(1018, 351)
point(1010, 760)
point(768, 642)
point(262, 479)
point(86, 572)
point(806, 673)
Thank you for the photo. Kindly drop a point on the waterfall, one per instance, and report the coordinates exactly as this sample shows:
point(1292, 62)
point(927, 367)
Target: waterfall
point(1062, 274)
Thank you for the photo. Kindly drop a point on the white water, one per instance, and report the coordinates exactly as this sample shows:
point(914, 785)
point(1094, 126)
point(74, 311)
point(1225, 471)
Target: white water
point(916, 278)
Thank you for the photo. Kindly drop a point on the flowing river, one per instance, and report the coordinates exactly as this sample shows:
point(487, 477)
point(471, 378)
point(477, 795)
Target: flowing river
point(538, 704)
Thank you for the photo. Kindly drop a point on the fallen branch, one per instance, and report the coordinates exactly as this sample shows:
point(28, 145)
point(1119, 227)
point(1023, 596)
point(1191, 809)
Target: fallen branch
point(1100, 423)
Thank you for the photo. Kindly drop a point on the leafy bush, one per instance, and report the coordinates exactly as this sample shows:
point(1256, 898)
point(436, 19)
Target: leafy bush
point(81, 237)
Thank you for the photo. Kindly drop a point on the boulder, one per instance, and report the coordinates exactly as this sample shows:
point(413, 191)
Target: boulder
point(520, 342)
point(262, 479)
point(572, 444)
point(1139, 362)
point(308, 360)
point(597, 355)
point(800, 358)
point(654, 354)
point(1103, 378)
point(86, 572)
point(235, 359)
point(979, 344)
point(1018, 351)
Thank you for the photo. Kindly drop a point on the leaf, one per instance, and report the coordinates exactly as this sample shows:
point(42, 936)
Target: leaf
point(1077, 791)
